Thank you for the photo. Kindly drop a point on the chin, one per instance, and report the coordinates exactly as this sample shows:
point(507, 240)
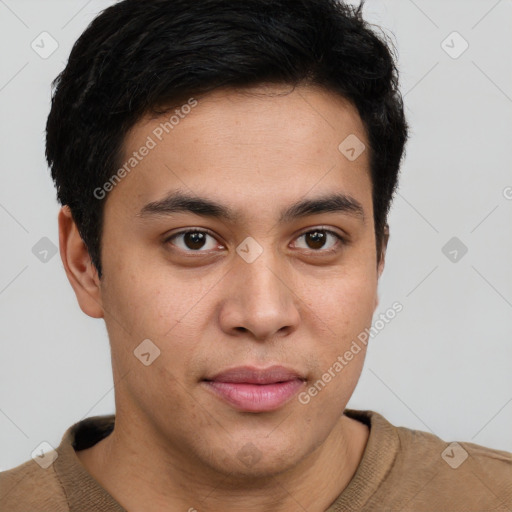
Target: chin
point(257, 459)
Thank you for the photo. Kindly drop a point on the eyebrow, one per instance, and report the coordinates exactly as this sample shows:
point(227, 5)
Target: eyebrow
point(177, 202)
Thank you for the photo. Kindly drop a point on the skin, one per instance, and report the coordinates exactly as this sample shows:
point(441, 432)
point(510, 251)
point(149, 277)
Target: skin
point(175, 443)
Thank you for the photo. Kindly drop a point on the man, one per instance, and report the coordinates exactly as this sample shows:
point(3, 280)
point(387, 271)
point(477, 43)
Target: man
point(226, 170)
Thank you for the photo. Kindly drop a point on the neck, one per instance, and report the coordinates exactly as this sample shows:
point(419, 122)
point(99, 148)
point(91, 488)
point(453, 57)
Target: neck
point(140, 473)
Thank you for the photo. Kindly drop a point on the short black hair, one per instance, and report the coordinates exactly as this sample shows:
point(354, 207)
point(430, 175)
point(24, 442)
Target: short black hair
point(139, 57)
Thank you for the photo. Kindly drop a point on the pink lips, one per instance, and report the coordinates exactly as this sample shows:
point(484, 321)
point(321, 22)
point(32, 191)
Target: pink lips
point(251, 390)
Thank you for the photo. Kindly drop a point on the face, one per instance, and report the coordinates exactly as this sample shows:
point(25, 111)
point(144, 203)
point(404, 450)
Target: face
point(242, 245)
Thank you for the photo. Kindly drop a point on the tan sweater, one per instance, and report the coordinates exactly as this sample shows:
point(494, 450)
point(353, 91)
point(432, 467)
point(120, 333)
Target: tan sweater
point(401, 470)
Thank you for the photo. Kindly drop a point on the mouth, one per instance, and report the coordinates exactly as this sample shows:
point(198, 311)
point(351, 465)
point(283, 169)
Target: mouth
point(251, 389)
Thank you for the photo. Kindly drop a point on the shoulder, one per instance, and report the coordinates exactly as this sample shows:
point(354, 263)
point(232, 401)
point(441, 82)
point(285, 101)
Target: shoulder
point(434, 474)
point(452, 456)
point(30, 487)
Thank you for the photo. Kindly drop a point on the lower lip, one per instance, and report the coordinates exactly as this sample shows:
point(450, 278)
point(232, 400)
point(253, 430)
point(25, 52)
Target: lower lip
point(256, 397)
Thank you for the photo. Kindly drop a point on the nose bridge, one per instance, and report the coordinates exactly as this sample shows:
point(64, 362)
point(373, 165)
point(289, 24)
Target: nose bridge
point(261, 281)
point(260, 301)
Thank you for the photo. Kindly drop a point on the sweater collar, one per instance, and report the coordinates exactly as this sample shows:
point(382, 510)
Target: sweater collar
point(83, 492)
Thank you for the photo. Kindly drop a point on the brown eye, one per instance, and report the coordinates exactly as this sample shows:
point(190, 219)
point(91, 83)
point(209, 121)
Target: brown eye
point(193, 241)
point(315, 239)
point(320, 240)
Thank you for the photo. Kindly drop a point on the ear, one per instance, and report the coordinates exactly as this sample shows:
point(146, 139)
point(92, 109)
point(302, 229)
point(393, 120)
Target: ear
point(383, 248)
point(81, 272)
point(380, 266)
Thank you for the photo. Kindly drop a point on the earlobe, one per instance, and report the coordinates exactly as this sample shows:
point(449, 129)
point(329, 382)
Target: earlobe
point(79, 268)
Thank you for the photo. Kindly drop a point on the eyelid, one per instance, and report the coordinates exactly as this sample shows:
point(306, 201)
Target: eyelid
point(343, 239)
point(327, 229)
point(191, 230)
point(185, 231)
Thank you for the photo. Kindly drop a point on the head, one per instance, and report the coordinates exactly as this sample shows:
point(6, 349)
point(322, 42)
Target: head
point(230, 119)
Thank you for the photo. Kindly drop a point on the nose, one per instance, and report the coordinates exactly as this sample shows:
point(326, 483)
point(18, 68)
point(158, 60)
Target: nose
point(259, 300)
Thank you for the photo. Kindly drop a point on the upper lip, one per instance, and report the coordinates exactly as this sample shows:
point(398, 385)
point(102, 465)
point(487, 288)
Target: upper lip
point(252, 375)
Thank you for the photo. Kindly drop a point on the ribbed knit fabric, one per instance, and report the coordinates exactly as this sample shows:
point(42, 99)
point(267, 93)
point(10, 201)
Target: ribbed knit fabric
point(401, 470)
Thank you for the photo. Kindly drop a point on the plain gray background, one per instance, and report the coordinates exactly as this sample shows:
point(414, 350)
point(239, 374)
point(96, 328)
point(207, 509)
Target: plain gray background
point(443, 365)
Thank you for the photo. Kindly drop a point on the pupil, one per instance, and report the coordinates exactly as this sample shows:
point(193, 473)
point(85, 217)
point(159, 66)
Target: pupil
point(317, 238)
point(194, 240)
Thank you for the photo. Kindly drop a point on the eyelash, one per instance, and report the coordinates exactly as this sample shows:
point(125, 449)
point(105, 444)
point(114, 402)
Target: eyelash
point(340, 239)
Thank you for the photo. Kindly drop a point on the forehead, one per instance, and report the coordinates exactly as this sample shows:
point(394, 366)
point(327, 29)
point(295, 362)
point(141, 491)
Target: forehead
point(263, 144)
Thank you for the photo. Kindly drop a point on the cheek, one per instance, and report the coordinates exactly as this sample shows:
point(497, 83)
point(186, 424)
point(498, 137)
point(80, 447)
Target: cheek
point(341, 317)
point(173, 313)
point(341, 311)
point(344, 300)
point(154, 303)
